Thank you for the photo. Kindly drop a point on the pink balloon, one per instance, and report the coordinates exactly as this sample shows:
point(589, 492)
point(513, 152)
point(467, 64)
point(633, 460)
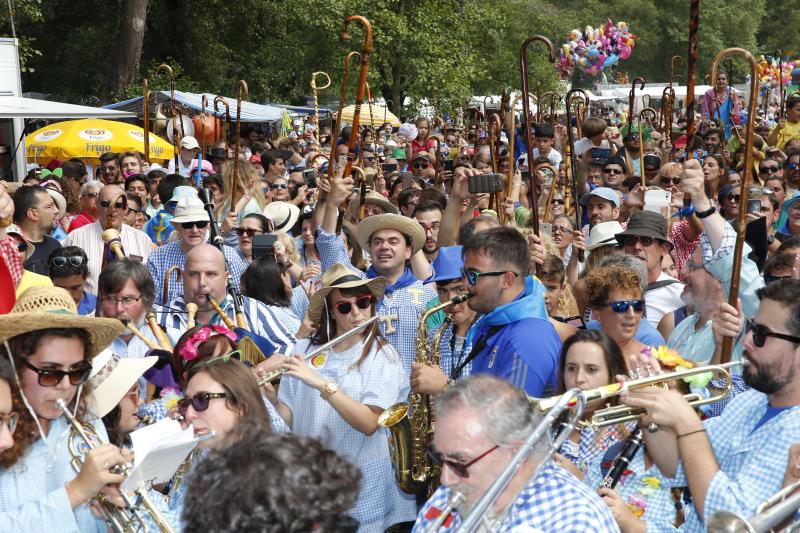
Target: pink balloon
point(624, 52)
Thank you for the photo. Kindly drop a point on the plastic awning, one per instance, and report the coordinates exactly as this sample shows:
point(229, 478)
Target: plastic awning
point(19, 107)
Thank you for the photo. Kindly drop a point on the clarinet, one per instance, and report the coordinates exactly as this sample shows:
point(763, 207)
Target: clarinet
point(629, 449)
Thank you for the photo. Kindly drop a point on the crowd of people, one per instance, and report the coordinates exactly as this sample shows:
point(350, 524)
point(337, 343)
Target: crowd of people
point(325, 275)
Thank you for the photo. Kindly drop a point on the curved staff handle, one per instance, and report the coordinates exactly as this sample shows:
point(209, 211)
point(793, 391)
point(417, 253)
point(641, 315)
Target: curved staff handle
point(576, 95)
point(171, 73)
point(741, 219)
point(362, 81)
point(512, 168)
point(314, 88)
point(146, 118)
point(672, 68)
point(224, 101)
point(632, 100)
point(650, 116)
point(691, 124)
point(523, 69)
point(334, 162)
point(241, 92)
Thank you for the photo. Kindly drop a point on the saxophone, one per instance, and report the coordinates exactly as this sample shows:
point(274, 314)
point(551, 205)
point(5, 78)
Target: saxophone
point(411, 433)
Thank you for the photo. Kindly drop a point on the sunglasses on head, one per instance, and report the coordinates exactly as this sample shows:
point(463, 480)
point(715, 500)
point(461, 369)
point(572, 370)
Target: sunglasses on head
point(761, 332)
point(461, 469)
point(120, 206)
point(247, 231)
point(201, 224)
point(670, 179)
point(362, 302)
point(631, 240)
point(199, 401)
point(621, 306)
point(50, 377)
point(74, 260)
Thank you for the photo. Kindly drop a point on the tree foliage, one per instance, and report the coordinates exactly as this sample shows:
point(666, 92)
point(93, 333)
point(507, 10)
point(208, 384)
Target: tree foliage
point(441, 50)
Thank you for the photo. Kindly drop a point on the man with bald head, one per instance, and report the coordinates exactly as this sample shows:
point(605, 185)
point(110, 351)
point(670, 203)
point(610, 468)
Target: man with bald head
point(112, 206)
point(204, 276)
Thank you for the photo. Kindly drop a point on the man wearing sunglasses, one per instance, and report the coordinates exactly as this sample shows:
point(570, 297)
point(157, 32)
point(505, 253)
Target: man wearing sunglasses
point(514, 339)
point(50, 349)
point(734, 461)
point(481, 423)
point(111, 211)
point(191, 224)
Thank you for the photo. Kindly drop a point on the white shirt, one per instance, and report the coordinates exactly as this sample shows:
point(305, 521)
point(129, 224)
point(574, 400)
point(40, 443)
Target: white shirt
point(136, 244)
point(663, 300)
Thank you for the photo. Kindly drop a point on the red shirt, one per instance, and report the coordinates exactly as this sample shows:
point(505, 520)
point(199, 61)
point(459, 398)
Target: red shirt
point(83, 219)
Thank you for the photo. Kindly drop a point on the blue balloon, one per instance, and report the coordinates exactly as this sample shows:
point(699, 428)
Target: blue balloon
point(611, 60)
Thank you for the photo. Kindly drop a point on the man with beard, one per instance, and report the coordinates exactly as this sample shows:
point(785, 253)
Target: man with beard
point(429, 215)
point(734, 461)
point(35, 214)
point(481, 423)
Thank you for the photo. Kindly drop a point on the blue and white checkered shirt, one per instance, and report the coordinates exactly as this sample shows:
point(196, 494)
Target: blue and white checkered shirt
point(555, 501)
point(448, 360)
point(751, 461)
point(171, 254)
point(261, 320)
point(399, 311)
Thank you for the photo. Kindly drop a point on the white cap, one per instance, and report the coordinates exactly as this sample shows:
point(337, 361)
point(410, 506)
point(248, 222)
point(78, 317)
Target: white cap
point(189, 142)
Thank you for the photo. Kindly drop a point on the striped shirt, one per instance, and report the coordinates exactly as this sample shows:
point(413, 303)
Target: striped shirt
point(171, 255)
point(135, 243)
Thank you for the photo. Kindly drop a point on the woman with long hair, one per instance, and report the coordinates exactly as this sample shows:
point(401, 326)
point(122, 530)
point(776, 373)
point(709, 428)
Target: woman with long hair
point(250, 226)
point(337, 396)
point(714, 170)
point(268, 281)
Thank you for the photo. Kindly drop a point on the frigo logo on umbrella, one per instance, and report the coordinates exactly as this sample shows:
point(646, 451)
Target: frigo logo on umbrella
point(49, 135)
point(95, 134)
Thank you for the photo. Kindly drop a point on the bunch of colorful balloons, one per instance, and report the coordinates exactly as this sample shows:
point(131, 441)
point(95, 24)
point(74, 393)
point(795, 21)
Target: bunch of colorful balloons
point(770, 73)
point(595, 49)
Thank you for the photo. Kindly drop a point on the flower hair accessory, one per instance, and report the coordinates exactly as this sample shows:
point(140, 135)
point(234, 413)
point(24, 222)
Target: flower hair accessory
point(189, 350)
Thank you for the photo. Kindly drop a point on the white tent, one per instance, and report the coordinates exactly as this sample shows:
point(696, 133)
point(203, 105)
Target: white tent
point(19, 107)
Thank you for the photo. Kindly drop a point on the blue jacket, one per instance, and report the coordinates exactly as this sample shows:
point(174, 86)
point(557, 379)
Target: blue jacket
point(525, 349)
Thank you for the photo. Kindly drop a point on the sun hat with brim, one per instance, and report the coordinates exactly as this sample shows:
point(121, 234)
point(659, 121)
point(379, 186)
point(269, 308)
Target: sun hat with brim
point(57, 197)
point(372, 198)
point(40, 308)
point(339, 276)
point(13, 229)
point(447, 265)
point(283, 215)
point(645, 224)
point(603, 234)
point(405, 225)
point(190, 209)
point(112, 378)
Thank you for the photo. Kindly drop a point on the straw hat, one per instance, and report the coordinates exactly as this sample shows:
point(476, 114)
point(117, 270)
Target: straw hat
point(371, 198)
point(283, 215)
point(40, 308)
point(112, 378)
point(405, 225)
point(603, 234)
point(339, 276)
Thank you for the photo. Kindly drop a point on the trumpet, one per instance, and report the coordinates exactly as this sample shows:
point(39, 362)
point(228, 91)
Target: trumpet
point(622, 413)
point(769, 515)
point(275, 374)
point(122, 520)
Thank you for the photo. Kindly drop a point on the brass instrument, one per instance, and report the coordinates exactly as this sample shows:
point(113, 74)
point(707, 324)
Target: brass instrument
point(191, 310)
point(769, 515)
point(410, 434)
point(622, 413)
point(275, 374)
point(573, 401)
point(123, 520)
point(167, 275)
point(112, 240)
point(158, 333)
point(314, 89)
point(650, 116)
point(173, 108)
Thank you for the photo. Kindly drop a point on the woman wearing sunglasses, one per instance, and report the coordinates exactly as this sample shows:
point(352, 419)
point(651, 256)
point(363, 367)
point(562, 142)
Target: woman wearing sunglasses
point(52, 350)
point(250, 226)
point(617, 302)
point(337, 396)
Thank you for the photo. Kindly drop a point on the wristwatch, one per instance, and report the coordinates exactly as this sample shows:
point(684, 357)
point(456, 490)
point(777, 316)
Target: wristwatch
point(328, 390)
point(707, 213)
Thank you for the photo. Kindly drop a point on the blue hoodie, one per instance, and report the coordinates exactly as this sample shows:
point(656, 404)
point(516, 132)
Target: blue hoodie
point(525, 351)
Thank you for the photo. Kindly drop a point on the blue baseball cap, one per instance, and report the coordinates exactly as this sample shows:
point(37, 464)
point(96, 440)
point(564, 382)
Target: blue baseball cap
point(447, 265)
point(605, 193)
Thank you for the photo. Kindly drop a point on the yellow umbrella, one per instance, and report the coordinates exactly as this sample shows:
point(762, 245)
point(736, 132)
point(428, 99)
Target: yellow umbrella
point(88, 138)
point(379, 115)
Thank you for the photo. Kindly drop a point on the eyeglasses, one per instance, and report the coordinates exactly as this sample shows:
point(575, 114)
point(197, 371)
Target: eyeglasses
point(241, 232)
point(199, 401)
point(792, 166)
point(472, 276)
point(74, 260)
point(420, 165)
point(279, 186)
point(621, 306)
point(561, 229)
point(761, 332)
point(132, 210)
point(119, 206)
point(201, 224)
point(558, 201)
point(768, 170)
point(49, 377)
point(126, 301)
point(362, 302)
point(461, 469)
point(771, 279)
point(631, 240)
point(612, 171)
point(10, 421)
point(22, 246)
point(734, 197)
point(670, 179)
